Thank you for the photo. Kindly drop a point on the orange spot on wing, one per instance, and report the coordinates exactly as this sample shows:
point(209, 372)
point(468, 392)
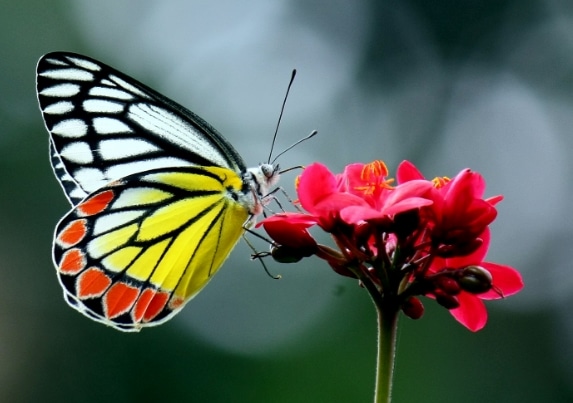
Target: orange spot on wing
point(119, 299)
point(73, 261)
point(156, 306)
point(73, 233)
point(96, 203)
point(142, 304)
point(176, 302)
point(149, 305)
point(92, 283)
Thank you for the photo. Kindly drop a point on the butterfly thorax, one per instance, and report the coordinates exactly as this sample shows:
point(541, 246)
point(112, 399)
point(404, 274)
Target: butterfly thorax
point(260, 182)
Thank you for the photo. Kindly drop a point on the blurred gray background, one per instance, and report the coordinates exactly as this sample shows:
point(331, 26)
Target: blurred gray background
point(446, 84)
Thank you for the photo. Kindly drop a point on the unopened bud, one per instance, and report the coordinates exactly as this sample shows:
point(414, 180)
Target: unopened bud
point(475, 279)
point(447, 284)
point(413, 308)
point(284, 254)
point(446, 300)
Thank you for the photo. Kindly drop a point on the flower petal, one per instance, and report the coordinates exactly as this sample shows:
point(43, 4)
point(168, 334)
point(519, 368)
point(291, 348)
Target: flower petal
point(471, 313)
point(294, 218)
point(407, 172)
point(356, 214)
point(290, 230)
point(316, 183)
point(348, 179)
point(506, 280)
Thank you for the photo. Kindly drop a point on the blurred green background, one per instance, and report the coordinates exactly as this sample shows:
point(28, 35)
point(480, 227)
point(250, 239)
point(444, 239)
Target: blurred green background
point(446, 84)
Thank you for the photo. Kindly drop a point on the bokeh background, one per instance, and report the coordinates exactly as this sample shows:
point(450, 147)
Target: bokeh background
point(446, 84)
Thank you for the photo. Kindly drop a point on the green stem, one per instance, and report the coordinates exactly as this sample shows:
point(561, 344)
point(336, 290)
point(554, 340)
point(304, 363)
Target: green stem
point(387, 329)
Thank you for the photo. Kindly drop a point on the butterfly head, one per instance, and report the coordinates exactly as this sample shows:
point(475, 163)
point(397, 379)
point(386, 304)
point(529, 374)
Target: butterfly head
point(260, 182)
point(270, 173)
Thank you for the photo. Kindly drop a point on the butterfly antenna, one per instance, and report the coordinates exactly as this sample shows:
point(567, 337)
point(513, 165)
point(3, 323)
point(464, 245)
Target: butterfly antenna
point(281, 114)
point(311, 135)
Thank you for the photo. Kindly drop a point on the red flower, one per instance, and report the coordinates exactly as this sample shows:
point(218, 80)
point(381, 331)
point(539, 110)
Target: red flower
point(416, 238)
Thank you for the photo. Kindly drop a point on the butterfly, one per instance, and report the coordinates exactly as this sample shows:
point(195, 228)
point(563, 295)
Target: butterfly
point(159, 198)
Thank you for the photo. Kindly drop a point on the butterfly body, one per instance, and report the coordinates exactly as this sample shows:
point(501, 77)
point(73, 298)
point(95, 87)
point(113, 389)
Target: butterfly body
point(159, 198)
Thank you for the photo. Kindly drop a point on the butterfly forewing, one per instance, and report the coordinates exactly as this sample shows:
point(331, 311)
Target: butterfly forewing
point(105, 125)
point(135, 251)
point(71, 188)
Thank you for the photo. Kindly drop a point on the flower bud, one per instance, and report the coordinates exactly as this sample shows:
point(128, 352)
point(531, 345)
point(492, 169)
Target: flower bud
point(446, 300)
point(475, 279)
point(284, 254)
point(447, 284)
point(413, 308)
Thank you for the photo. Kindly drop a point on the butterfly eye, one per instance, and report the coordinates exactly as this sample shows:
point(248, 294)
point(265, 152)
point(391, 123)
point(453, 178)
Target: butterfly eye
point(269, 170)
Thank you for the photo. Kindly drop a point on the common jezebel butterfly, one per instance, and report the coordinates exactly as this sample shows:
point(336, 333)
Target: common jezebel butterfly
point(159, 198)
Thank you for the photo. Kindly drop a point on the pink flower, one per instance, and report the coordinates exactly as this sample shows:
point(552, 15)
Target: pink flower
point(416, 238)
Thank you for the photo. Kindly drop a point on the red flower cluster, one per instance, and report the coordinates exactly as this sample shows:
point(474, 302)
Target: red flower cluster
point(418, 237)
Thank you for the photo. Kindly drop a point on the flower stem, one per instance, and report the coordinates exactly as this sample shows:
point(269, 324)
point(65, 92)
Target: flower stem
point(387, 329)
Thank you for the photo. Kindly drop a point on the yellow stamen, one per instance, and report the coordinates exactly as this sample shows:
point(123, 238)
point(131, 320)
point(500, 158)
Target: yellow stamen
point(374, 174)
point(374, 169)
point(440, 182)
point(296, 182)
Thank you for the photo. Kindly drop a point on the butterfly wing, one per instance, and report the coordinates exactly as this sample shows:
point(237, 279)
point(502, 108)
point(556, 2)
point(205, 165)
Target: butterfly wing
point(105, 125)
point(135, 251)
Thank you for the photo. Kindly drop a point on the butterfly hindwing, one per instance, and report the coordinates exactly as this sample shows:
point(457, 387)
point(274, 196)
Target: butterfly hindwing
point(135, 251)
point(105, 125)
